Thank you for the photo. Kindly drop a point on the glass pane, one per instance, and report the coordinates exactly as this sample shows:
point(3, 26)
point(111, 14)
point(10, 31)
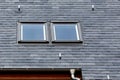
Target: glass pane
point(65, 32)
point(33, 32)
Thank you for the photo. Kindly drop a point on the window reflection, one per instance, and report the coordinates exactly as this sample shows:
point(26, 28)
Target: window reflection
point(66, 32)
point(32, 32)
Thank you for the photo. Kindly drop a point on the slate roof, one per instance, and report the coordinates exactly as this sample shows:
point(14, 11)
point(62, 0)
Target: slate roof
point(98, 55)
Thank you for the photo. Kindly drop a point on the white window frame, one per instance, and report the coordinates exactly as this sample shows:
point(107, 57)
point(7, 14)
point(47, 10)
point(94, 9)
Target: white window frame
point(21, 33)
point(77, 30)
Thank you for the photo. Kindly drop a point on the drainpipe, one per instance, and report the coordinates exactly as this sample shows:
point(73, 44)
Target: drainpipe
point(72, 71)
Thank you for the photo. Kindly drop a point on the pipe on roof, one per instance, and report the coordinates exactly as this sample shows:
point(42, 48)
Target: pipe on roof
point(72, 71)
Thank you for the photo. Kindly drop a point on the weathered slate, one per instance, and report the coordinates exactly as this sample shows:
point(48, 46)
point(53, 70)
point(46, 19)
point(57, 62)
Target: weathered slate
point(98, 55)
